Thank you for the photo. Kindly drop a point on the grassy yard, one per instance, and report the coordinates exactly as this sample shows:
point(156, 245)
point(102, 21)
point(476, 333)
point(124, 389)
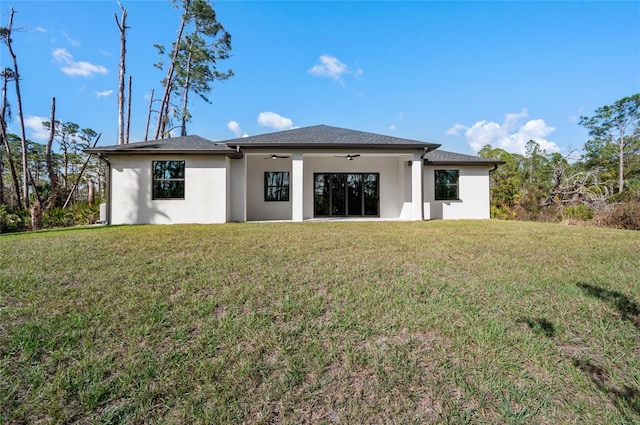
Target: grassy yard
point(341, 322)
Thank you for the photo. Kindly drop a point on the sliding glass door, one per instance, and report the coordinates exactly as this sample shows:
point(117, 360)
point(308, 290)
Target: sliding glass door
point(345, 194)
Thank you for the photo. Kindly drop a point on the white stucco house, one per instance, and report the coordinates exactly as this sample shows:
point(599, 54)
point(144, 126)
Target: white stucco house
point(302, 174)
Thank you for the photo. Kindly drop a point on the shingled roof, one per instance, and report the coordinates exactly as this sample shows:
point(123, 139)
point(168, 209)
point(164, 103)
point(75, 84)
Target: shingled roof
point(185, 144)
point(327, 137)
point(319, 136)
point(439, 157)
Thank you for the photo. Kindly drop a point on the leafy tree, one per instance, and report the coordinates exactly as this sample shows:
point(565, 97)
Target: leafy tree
point(202, 41)
point(505, 181)
point(614, 131)
point(66, 135)
point(71, 141)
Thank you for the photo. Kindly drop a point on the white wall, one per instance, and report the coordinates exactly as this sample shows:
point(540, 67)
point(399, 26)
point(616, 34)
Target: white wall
point(473, 191)
point(392, 170)
point(238, 185)
point(257, 208)
point(205, 198)
point(218, 189)
point(390, 182)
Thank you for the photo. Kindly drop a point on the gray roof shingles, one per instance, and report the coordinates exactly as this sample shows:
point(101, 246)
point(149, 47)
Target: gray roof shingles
point(327, 136)
point(440, 157)
point(185, 144)
point(320, 136)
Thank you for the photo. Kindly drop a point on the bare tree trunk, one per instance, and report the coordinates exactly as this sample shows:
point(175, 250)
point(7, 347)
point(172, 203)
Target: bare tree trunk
point(185, 97)
point(25, 165)
point(146, 129)
point(3, 137)
point(1, 179)
point(65, 167)
point(621, 167)
point(168, 83)
point(53, 178)
point(75, 185)
point(91, 198)
point(128, 112)
point(36, 216)
point(123, 53)
point(165, 121)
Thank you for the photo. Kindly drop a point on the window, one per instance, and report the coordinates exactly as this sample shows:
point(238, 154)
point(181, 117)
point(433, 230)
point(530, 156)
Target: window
point(447, 185)
point(168, 180)
point(276, 186)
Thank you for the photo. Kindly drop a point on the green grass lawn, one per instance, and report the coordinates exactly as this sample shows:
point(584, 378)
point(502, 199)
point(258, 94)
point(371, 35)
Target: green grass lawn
point(340, 322)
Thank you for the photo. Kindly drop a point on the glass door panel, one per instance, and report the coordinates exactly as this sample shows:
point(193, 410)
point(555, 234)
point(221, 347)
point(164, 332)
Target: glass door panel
point(354, 194)
point(370, 193)
point(342, 194)
point(321, 194)
point(338, 194)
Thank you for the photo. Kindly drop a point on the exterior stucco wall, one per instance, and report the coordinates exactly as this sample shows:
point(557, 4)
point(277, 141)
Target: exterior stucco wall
point(218, 189)
point(257, 208)
point(238, 191)
point(205, 201)
point(395, 197)
point(390, 181)
point(473, 193)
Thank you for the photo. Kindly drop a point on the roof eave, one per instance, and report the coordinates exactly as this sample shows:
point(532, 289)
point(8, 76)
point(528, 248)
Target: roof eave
point(229, 153)
point(314, 145)
point(428, 162)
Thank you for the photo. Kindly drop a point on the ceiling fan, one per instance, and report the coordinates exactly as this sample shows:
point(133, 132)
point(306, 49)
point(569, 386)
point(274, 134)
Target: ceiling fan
point(348, 157)
point(274, 156)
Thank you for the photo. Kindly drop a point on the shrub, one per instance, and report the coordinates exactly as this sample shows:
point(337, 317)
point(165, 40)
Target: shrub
point(84, 213)
point(79, 213)
point(502, 213)
point(57, 217)
point(623, 215)
point(579, 212)
point(13, 220)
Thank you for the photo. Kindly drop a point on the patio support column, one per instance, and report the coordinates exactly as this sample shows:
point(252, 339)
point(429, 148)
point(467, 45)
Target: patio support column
point(416, 188)
point(297, 187)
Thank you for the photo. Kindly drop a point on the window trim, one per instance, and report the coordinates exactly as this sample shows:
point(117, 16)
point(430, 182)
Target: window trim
point(279, 188)
point(449, 185)
point(154, 180)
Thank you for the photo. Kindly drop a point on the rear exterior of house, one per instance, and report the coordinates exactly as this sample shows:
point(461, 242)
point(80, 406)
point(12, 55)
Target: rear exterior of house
point(303, 174)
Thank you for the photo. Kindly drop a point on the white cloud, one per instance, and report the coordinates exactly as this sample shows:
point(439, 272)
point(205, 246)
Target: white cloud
point(39, 29)
point(273, 120)
point(104, 52)
point(332, 67)
point(328, 67)
point(104, 93)
point(34, 123)
point(235, 127)
point(455, 130)
point(393, 126)
point(511, 135)
point(73, 68)
point(71, 41)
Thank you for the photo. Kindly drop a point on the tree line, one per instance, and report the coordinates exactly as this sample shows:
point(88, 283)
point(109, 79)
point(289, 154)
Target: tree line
point(602, 187)
point(55, 183)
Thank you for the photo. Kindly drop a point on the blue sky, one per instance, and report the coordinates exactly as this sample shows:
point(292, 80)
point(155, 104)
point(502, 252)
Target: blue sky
point(462, 74)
